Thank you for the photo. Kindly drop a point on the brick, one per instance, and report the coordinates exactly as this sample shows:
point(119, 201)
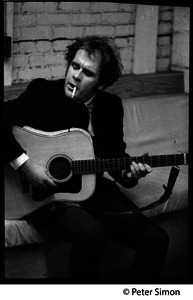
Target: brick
point(100, 30)
point(163, 64)
point(165, 8)
point(164, 40)
point(67, 32)
point(17, 7)
point(36, 60)
point(20, 60)
point(39, 7)
point(164, 51)
point(35, 33)
point(24, 20)
point(16, 34)
point(58, 72)
point(60, 45)
point(50, 6)
point(43, 46)
point(32, 7)
point(164, 28)
point(103, 6)
point(121, 42)
point(27, 47)
point(73, 6)
point(127, 7)
point(42, 72)
point(15, 75)
point(29, 74)
point(25, 75)
point(54, 59)
point(117, 18)
point(84, 19)
point(126, 54)
point(53, 19)
point(165, 16)
point(124, 30)
point(15, 48)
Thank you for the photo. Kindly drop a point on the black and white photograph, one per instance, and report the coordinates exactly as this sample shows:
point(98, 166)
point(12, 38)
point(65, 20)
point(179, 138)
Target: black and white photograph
point(96, 145)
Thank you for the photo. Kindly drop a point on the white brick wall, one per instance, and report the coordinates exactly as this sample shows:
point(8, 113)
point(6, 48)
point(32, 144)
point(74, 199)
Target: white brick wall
point(42, 30)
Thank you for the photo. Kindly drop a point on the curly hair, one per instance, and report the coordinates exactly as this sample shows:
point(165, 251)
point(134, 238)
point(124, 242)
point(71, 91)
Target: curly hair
point(111, 65)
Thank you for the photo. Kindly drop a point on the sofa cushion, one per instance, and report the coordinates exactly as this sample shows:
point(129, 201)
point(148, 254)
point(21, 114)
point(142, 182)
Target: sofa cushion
point(19, 232)
point(157, 125)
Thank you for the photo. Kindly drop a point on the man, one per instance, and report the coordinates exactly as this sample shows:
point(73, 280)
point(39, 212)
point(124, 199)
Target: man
point(79, 100)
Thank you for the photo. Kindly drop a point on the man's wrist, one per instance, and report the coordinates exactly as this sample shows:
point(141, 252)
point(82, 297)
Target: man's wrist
point(19, 161)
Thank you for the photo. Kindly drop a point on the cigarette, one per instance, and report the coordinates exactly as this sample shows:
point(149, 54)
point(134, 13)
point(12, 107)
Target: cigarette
point(74, 91)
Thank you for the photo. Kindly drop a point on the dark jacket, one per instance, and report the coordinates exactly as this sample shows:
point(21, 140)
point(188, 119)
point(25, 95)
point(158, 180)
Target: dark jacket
point(44, 106)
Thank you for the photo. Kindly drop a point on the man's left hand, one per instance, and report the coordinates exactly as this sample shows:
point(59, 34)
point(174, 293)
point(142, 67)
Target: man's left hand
point(137, 171)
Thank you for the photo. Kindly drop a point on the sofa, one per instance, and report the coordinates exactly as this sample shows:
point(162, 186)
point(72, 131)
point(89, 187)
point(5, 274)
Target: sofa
point(157, 124)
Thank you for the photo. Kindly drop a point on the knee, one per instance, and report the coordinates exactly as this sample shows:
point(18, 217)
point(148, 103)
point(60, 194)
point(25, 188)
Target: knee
point(155, 236)
point(92, 234)
point(164, 238)
point(161, 238)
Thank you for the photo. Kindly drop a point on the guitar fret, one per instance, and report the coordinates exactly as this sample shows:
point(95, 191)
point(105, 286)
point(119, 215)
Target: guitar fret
point(175, 159)
point(166, 160)
point(154, 161)
point(147, 159)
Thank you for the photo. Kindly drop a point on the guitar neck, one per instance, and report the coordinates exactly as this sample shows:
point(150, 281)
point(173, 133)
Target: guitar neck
point(116, 164)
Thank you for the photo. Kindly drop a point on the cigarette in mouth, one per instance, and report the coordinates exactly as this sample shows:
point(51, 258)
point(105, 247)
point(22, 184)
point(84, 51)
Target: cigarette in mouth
point(73, 93)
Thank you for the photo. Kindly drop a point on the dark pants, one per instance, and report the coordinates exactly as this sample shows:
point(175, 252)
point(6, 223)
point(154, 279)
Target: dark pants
point(88, 231)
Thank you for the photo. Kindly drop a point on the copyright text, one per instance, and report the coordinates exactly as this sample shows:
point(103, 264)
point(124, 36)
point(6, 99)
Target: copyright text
point(150, 292)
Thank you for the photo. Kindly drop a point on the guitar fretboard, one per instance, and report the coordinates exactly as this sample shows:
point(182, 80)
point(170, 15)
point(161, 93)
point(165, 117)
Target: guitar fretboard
point(114, 164)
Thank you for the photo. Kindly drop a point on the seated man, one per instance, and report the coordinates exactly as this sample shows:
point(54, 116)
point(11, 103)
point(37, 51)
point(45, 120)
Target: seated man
point(79, 100)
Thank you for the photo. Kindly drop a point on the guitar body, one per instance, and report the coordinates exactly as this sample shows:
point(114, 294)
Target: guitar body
point(68, 157)
point(44, 148)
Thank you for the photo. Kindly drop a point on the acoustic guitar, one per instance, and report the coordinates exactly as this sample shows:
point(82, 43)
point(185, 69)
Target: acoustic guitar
point(68, 156)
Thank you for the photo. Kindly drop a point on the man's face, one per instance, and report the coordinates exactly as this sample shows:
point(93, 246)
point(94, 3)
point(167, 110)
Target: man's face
point(83, 73)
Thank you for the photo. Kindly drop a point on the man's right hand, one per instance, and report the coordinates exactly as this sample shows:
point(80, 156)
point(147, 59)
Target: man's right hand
point(37, 176)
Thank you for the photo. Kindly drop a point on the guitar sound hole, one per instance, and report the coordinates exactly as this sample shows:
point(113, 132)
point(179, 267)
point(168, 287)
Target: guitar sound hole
point(59, 168)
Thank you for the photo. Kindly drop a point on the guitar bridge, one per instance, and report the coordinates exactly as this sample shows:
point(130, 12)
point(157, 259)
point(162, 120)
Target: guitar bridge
point(73, 186)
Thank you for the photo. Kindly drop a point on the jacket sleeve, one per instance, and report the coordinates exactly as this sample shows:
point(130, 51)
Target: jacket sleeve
point(14, 113)
point(115, 139)
point(11, 148)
